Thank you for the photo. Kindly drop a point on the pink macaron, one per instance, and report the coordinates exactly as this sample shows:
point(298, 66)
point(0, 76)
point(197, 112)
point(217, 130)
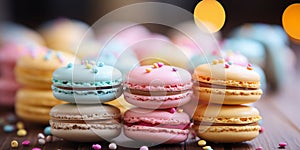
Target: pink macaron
point(158, 86)
point(156, 126)
point(8, 89)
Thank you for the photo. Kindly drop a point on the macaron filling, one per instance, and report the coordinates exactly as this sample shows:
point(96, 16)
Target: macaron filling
point(159, 125)
point(209, 85)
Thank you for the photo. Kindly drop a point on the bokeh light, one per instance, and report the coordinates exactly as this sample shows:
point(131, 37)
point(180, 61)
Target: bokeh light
point(291, 21)
point(211, 14)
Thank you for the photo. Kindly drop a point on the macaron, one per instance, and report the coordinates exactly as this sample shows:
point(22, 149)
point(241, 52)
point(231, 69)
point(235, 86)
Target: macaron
point(34, 105)
point(35, 70)
point(225, 83)
point(85, 123)
point(158, 86)
point(87, 83)
point(8, 89)
point(227, 123)
point(156, 126)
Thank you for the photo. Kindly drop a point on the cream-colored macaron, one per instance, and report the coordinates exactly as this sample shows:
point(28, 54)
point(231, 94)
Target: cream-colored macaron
point(227, 123)
point(225, 83)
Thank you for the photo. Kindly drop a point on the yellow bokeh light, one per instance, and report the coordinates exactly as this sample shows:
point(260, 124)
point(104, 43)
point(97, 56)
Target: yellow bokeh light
point(211, 14)
point(291, 21)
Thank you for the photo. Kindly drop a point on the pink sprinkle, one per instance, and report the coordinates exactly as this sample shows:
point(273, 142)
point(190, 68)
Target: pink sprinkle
point(96, 146)
point(60, 57)
point(36, 148)
point(144, 148)
point(172, 110)
point(26, 143)
point(259, 148)
point(160, 64)
point(249, 65)
point(227, 65)
point(282, 144)
point(262, 129)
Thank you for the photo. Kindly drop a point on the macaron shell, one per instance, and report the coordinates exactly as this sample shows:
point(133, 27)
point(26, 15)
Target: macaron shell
point(236, 76)
point(158, 77)
point(227, 96)
point(8, 89)
point(226, 114)
point(228, 134)
point(158, 102)
point(156, 135)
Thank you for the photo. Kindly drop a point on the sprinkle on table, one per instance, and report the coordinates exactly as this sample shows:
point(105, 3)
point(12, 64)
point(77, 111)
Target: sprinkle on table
point(100, 64)
point(88, 66)
point(226, 65)
point(20, 125)
point(144, 148)
point(47, 130)
point(70, 65)
point(160, 64)
point(201, 143)
point(214, 62)
point(229, 62)
point(155, 65)
point(8, 128)
point(96, 146)
point(14, 144)
point(174, 69)
point(112, 146)
point(221, 61)
point(26, 143)
point(261, 129)
point(259, 148)
point(282, 144)
point(22, 132)
point(95, 70)
point(42, 141)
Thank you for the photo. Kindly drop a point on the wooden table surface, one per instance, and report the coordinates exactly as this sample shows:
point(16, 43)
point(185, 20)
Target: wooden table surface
point(280, 112)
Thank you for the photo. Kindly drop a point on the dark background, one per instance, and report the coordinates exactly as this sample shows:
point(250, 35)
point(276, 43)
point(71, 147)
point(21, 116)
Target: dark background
point(32, 13)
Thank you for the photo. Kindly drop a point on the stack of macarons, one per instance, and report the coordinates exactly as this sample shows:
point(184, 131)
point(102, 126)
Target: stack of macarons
point(158, 91)
point(222, 89)
point(34, 72)
point(86, 87)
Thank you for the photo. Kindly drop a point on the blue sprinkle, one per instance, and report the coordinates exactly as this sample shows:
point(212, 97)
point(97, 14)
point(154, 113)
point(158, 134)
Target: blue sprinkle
point(8, 128)
point(47, 130)
point(260, 122)
point(70, 65)
point(47, 56)
point(11, 118)
point(95, 70)
point(100, 64)
point(229, 62)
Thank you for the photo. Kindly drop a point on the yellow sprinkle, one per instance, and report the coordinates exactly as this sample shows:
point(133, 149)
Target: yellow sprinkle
point(179, 110)
point(155, 65)
point(148, 70)
point(206, 148)
point(214, 62)
point(14, 144)
point(22, 132)
point(20, 125)
point(221, 61)
point(89, 66)
point(201, 142)
point(249, 68)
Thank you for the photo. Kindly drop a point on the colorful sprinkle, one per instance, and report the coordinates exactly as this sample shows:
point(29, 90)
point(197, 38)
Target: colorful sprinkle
point(49, 138)
point(221, 61)
point(14, 144)
point(160, 64)
point(92, 62)
point(172, 110)
point(100, 64)
point(60, 57)
point(259, 148)
point(82, 62)
point(96, 146)
point(214, 62)
point(112, 146)
point(36, 148)
point(227, 65)
point(70, 65)
point(179, 110)
point(155, 65)
point(20, 125)
point(26, 143)
point(88, 66)
point(207, 148)
point(148, 70)
point(47, 130)
point(41, 141)
point(8, 128)
point(40, 136)
point(95, 70)
point(262, 129)
point(260, 122)
point(144, 148)
point(201, 142)
point(22, 132)
point(48, 55)
point(282, 144)
point(174, 69)
point(229, 62)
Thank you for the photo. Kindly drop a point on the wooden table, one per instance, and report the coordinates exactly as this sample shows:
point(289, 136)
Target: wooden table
point(280, 112)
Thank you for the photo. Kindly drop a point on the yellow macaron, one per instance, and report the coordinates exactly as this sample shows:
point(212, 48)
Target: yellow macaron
point(225, 83)
point(227, 123)
point(36, 70)
point(34, 105)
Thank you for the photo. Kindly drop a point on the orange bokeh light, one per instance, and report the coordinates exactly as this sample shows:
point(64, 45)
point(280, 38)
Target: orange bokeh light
point(291, 21)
